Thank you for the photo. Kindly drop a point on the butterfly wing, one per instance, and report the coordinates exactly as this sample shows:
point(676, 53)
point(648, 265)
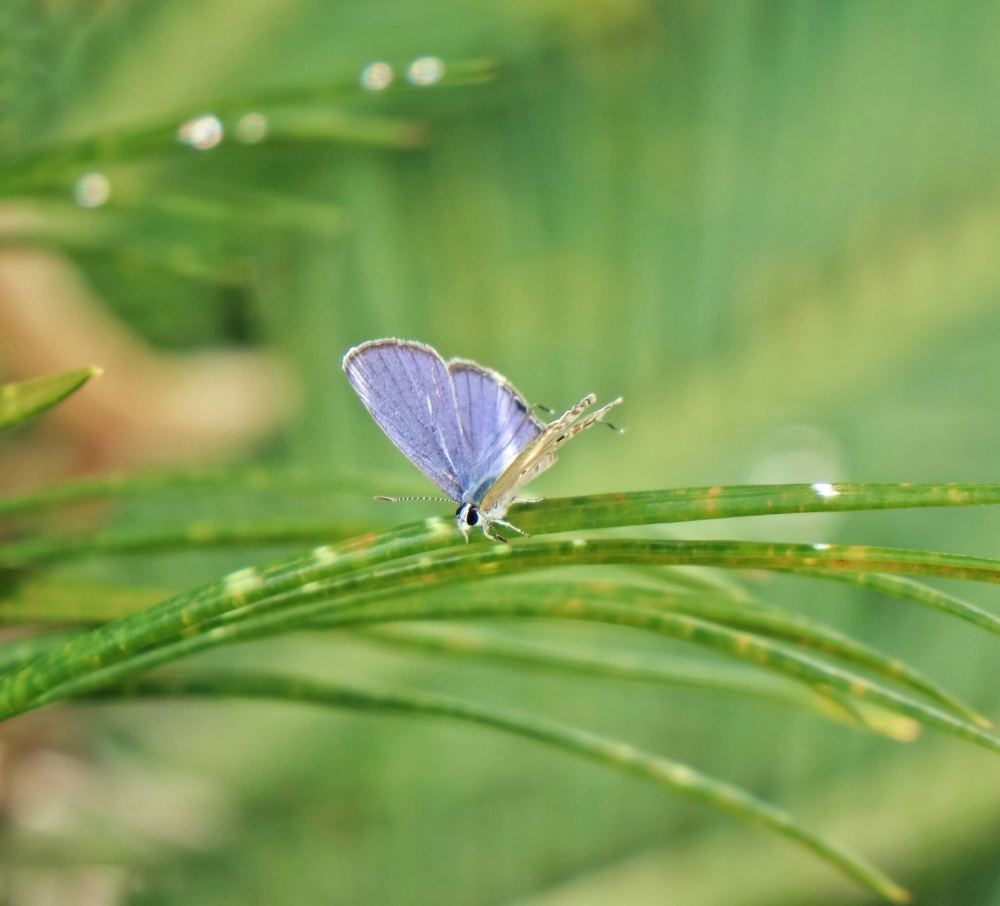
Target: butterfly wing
point(540, 454)
point(408, 391)
point(496, 421)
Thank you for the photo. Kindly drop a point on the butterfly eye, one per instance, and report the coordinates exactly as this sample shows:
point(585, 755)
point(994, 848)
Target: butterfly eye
point(472, 516)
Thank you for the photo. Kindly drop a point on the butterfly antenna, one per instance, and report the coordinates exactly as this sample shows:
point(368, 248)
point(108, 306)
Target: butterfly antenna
point(401, 499)
point(535, 406)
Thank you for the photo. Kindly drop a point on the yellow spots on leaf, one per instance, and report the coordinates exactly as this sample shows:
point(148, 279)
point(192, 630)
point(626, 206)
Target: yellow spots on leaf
point(743, 643)
point(324, 555)
point(859, 688)
point(681, 776)
point(621, 752)
point(239, 583)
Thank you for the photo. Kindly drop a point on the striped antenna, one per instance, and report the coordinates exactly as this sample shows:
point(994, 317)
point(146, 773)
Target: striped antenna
point(400, 499)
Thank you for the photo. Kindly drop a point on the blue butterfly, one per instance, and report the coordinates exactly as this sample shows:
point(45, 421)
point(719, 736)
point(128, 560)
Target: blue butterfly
point(464, 426)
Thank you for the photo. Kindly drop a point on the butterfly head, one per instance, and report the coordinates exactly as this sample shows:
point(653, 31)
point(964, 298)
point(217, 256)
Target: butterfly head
point(467, 516)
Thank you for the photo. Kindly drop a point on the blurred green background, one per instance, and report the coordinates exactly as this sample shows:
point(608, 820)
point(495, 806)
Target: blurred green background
point(773, 227)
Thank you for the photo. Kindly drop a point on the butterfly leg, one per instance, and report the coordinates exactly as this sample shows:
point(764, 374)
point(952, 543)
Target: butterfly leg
point(509, 525)
point(489, 530)
point(528, 499)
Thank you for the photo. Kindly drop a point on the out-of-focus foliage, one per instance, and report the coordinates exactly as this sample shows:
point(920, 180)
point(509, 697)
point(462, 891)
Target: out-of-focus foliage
point(771, 226)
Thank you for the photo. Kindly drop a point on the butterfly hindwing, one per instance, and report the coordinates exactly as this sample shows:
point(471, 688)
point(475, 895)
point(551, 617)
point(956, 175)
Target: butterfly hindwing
point(408, 391)
point(496, 421)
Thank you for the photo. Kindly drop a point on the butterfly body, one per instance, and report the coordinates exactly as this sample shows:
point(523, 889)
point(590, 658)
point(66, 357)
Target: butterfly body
point(464, 426)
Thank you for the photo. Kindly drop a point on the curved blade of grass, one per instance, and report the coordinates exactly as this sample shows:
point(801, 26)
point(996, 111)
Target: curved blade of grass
point(762, 652)
point(311, 124)
point(610, 753)
point(320, 612)
point(18, 652)
point(484, 646)
point(555, 515)
point(87, 602)
point(41, 165)
point(24, 401)
point(123, 637)
point(771, 622)
point(699, 579)
point(911, 590)
point(690, 504)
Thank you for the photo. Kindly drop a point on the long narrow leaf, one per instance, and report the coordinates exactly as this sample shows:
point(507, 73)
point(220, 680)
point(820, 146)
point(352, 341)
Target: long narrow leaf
point(771, 622)
point(319, 613)
point(911, 590)
point(487, 646)
point(610, 753)
point(550, 516)
point(21, 402)
point(348, 563)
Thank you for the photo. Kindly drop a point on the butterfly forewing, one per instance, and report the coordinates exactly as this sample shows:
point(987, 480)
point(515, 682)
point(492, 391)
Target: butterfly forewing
point(408, 391)
point(495, 419)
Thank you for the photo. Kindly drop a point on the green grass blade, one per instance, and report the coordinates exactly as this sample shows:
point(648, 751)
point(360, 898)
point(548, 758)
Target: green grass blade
point(607, 752)
point(42, 684)
point(40, 166)
point(487, 646)
point(690, 504)
point(771, 622)
point(22, 402)
point(18, 652)
point(555, 515)
point(743, 646)
point(81, 602)
point(919, 592)
point(348, 562)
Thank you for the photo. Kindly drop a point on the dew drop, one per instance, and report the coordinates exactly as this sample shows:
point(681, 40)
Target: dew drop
point(824, 489)
point(92, 190)
point(425, 71)
point(376, 76)
point(202, 133)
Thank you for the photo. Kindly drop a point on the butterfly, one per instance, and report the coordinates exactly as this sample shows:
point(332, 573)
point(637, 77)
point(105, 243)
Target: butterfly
point(464, 426)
